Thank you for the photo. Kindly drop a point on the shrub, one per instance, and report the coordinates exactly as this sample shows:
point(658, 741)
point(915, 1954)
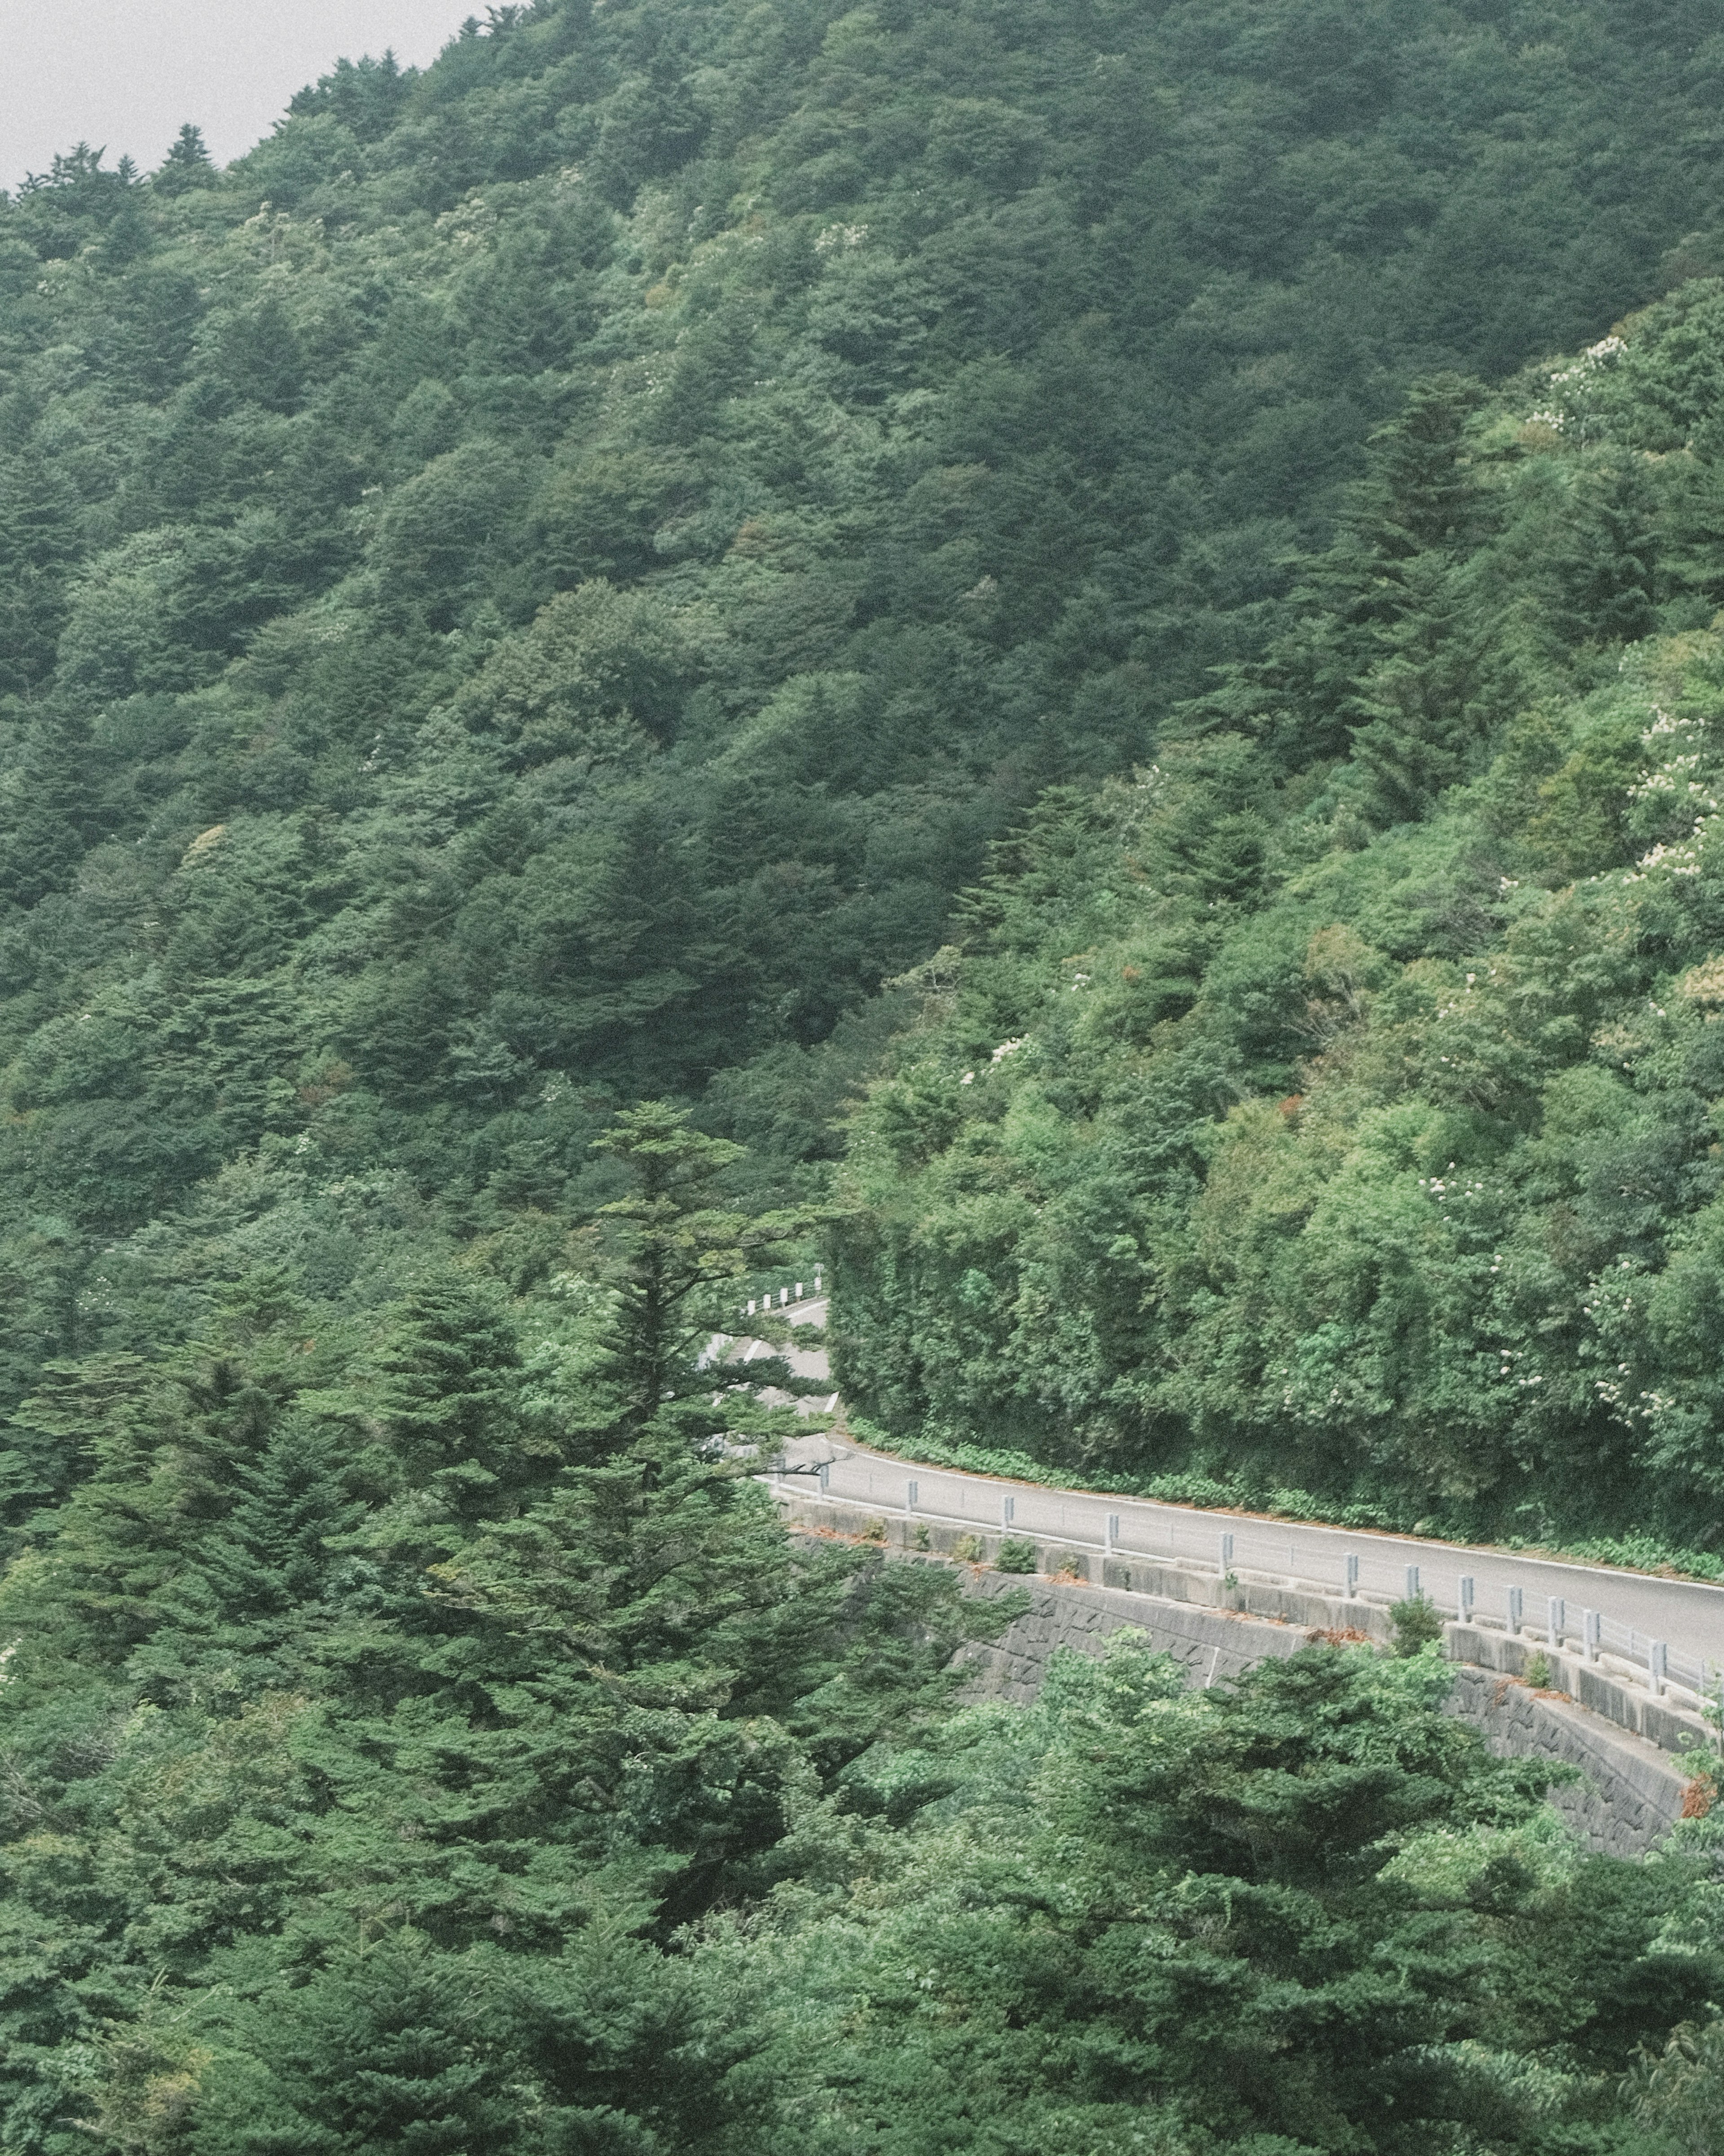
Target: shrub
point(1416, 1624)
point(874, 1531)
point(1538, 1671)
point(968, 1547)
point(1016, 1556)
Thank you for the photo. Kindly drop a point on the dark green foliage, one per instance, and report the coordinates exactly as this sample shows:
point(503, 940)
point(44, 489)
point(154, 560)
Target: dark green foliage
point(552, 608)
point(398, 1697)
point(1345, 1126)
point(1417, 1623)
point(530, 606)
point(187, 164)
point(1277, 1917)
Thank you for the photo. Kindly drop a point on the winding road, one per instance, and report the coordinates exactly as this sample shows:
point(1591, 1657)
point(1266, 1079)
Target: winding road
point(1634, 1609)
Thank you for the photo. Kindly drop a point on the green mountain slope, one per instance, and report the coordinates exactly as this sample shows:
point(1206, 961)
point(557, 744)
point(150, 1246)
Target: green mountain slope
point(1357, 1125)
point(524, 605)
point(538, 584)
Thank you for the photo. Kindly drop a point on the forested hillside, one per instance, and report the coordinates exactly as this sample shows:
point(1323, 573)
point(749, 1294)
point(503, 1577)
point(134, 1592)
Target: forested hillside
point(1063, 648)
point(538, 585)
point(1333, 1107)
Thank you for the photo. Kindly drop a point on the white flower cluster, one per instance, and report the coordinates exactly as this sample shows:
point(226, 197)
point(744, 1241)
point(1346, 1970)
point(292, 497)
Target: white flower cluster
point(1678, 779)
point(1443, 1191)
point(1601, 354)
point(1571, 382)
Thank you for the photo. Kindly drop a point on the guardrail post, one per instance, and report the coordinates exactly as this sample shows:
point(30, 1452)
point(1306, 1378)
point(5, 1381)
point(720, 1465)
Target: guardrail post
point(1658, 1666)
point(817, 1280)
point(1226, 1554)
point(1412, 1583)
point(1556, 1616)
point(825, 1477)
point(1466, 1598)
point(1112, 1537)
point(1352, 1577)
point(1592, 1625)
point(1516, 1605)
point(912, 1491)
point(1008, 1507)
point(784, 1297)
point(750, 1306)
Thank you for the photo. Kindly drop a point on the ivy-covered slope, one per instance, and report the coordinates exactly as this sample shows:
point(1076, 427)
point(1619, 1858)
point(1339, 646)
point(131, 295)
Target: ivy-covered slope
point(536, 585)
point(1355, 1123)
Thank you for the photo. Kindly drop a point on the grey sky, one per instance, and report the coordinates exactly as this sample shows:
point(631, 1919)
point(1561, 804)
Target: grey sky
point(128, 72)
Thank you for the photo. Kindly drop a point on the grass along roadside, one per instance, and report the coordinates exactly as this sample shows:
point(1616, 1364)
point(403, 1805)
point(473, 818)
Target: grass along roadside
point(1642, 1553)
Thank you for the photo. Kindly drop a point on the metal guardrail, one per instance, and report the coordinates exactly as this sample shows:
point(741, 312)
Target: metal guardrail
point(781, 1298)
point(1255, 1547)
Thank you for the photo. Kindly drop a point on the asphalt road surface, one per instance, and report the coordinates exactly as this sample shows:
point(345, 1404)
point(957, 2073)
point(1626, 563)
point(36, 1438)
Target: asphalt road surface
point(1635, 1608)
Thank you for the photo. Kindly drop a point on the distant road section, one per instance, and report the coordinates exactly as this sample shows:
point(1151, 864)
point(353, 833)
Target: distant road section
point(1635, 1609)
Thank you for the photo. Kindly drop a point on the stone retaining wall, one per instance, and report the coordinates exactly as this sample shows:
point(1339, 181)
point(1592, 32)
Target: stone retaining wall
point(1213, 1644)
point(1627, 1744)
point(1633, 1792)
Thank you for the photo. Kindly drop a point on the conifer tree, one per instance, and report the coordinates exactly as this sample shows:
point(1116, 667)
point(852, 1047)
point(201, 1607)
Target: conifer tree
point(392, 2047)
point(1417, 708)
point(187, 164)
point(677, 1251)
point(39, 544)
point(55, 1433)
point(276, 1552)
point(1418, 508)
point(1608, 558)
point(447, 1396)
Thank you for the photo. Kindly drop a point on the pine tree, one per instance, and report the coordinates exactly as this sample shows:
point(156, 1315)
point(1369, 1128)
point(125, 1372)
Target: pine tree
point(187, 164)
point(1420, 502)
point(1607, 558)
point(55, 1433)
point(676, 1249)
point(446, 1397)
point(273, 1558)
point(50, 820)
point(395, 2045)
point(1415, 713)
point(39, 544)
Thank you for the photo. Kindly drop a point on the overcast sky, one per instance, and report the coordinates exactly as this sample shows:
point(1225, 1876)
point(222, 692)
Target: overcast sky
point(128, 73)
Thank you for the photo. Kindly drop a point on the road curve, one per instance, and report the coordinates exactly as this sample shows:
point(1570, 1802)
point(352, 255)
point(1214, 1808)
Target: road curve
point(1635, 1608)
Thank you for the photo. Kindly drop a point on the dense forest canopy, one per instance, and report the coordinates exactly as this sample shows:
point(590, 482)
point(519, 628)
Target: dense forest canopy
point(1346, 1125)
point(538, 584)
point(1069, 645)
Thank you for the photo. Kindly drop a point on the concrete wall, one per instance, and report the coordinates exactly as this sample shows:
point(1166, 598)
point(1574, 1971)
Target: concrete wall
point(1633, 1792)
point(1213, 1644)
point(1628, 1746)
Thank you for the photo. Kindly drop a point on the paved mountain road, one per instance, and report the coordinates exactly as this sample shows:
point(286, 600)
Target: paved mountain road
point(1636, 1607)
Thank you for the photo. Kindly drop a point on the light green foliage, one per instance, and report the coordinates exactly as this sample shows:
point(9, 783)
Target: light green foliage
point(1676, 2093)
point(1384, 1178)
point(1417, 1623)
point(1280, 1916)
